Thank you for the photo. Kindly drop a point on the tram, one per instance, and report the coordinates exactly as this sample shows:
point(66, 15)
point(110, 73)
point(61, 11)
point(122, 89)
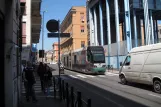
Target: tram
point(89, 60)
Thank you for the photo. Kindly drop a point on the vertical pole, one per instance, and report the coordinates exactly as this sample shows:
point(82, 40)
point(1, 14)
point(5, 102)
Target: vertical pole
point(63, 93)
point(60, 89)
point(152, 27)
point(108, 29)
point(146, 18)
point(59, 46)
point(67, 95)
point(54, 87)
point(79, 97)
point(101, 22)
point(72, 97)
point(135, 28)
point(89, 103)
point(95, 27)
point(128, 25)
point(157, 38)
point(91, 27)
point(43, 35)
point(154, 31)
point(117, 31)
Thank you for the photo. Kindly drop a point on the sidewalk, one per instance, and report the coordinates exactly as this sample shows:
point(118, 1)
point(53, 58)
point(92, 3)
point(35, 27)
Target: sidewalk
point(42, 100)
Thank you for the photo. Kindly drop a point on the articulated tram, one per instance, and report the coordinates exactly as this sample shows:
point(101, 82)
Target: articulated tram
point(89, 60)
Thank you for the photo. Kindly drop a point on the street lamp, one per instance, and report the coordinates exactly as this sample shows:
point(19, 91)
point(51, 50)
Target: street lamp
point(43, 33)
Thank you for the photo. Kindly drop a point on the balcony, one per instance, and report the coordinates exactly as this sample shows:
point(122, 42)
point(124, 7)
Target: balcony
point(36, 20)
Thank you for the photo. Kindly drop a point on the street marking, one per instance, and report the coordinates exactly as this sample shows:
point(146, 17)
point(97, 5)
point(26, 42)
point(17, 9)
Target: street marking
point(155, 95)
point(101, 75)
point(81, 76)
point(111, 74)
point(73, 76)
point(90, 76)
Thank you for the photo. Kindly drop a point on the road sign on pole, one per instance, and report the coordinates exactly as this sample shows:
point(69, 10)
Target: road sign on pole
point(52, 35)
point(54, 26)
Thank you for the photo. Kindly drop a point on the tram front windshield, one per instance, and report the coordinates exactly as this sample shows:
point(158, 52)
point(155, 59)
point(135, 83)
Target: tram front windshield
point(99, 57)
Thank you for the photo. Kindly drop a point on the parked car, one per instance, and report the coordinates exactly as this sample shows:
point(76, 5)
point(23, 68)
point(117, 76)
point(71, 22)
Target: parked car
point(143, 65)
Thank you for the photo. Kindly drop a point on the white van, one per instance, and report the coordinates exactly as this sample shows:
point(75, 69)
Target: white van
point(143, 65)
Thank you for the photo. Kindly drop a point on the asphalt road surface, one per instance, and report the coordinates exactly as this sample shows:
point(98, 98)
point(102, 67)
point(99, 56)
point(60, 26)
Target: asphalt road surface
point(106, 91)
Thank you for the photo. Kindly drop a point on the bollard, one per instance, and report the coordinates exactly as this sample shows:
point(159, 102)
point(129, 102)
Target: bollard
point(60, 92)
point(67, 95)
point(72, 97)
point(79, 99)
point(54, 87)
point(63, 92)
point(89, 103)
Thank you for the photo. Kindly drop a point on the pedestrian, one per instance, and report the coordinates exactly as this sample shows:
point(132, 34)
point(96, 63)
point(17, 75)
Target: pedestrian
point(29, 81)
point(40, 72)
point(47, 80)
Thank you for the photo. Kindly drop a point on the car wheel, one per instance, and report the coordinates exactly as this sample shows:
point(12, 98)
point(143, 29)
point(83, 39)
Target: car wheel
point(123, 79)
point(157, 86)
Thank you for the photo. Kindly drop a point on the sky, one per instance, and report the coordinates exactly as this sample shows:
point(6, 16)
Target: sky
point(56, 9)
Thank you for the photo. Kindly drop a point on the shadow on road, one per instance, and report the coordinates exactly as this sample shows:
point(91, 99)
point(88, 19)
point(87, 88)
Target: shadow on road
point(99, 96)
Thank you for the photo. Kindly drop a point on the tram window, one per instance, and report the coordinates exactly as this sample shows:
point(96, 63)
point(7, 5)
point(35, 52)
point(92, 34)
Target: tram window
point(88, 56)
point(99, 57)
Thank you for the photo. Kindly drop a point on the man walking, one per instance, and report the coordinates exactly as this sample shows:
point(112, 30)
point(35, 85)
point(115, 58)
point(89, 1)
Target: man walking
point(29, 81)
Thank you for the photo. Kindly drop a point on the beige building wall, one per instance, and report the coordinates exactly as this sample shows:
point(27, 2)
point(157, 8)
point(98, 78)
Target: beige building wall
point(74, 23)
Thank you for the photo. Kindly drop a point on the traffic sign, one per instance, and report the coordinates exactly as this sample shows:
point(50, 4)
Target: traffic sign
point(34, 47)
point(41, 53)
point(52, 25)
point(54, 35)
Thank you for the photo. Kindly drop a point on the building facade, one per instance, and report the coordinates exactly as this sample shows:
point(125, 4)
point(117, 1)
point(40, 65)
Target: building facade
point(74, 23)
point(11, 47)
point(55, 51)
point(31, 23)
point(120, 25)
point(49, 56)
point(10, 30)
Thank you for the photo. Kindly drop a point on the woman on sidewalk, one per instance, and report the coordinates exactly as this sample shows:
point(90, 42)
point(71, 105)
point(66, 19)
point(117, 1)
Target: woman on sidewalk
point(47, 80)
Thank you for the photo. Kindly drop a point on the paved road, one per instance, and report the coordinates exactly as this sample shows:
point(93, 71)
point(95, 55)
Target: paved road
point(105, 90)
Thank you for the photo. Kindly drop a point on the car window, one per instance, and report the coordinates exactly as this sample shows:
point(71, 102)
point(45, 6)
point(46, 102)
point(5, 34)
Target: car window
point(128, 60)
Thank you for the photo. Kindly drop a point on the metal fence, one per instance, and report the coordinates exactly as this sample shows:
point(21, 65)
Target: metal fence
point(66, 92)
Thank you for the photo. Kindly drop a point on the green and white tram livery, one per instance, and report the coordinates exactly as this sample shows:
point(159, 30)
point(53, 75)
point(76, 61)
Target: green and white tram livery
point(89, 60)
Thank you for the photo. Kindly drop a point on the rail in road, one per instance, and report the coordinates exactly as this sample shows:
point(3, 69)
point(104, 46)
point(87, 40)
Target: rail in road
point(105, 90)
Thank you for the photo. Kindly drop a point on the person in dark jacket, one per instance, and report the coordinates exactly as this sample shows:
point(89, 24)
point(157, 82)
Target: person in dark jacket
point(29, 81)
point(47, 78)
point(40, 72)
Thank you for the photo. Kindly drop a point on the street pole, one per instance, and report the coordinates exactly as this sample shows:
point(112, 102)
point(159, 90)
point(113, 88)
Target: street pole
point(59, 46)
point(43, 35)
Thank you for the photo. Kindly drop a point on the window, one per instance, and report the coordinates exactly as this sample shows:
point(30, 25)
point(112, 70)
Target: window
point(24, 33)
point(128, 60)
point(82, 29)
point(82, 17)
point(82, 44)
point(75, 59)
point(99, 57)
point(23, 8)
